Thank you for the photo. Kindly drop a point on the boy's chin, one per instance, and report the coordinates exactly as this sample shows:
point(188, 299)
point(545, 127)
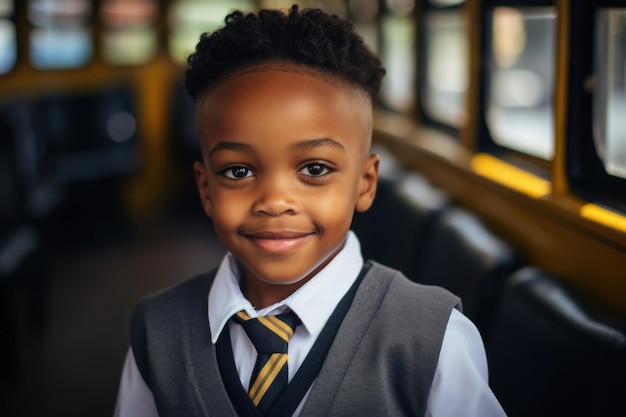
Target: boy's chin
point(285, 271)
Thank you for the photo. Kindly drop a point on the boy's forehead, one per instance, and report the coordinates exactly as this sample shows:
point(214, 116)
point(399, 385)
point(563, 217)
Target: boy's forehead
point(294, 93)
point(288, 81)
point(287, 67)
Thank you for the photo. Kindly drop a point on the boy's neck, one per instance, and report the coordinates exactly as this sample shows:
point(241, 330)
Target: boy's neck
point(262, 294)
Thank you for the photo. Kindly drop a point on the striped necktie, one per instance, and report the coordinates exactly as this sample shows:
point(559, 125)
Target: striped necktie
point(270, 336)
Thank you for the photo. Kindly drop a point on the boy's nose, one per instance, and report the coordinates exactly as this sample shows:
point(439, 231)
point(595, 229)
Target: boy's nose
point(275, 198)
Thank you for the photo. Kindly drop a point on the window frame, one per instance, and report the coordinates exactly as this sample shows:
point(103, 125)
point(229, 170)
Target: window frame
point(385, 11)
point(585, 170)
point(423, 8)
point(484, 141)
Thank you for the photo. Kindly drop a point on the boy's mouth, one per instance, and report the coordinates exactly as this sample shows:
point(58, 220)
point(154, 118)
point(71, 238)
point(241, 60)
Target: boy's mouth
point(277, 242)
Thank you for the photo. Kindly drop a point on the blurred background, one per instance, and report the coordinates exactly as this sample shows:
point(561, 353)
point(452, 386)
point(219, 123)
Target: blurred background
point(97, 201)
point(504, 119)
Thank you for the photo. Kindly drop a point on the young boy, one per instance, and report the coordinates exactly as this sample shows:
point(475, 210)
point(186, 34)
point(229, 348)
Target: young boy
point(284, 115)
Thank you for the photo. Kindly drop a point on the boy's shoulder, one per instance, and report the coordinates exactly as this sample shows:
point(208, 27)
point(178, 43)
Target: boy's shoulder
point(169, 303)
point(400, 323)
point(407, 293)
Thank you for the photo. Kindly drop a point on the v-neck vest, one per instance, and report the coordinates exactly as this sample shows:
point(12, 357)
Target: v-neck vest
point(382, 361)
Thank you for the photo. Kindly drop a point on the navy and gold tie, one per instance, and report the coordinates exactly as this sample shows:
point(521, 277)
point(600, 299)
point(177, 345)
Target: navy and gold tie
point(270, 336)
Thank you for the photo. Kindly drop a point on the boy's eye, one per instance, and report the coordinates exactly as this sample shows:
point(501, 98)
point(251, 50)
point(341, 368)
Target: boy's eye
point(315, 170)
point(237, 172)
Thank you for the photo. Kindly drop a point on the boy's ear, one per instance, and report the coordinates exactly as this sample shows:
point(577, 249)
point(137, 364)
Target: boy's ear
point(368, 182)
point(203, 187)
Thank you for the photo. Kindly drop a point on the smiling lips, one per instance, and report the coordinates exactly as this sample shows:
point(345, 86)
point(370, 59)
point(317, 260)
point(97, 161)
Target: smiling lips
point(277, 242)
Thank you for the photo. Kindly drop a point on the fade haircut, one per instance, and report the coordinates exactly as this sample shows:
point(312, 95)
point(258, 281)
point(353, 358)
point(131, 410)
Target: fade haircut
point(309, 38)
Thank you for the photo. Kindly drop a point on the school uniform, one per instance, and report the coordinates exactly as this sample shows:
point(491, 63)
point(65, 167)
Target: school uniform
point(400, 349)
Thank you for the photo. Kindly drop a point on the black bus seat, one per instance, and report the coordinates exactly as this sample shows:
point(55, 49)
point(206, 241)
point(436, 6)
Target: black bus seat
point(393, 230)
point(92, 147)
point(185, 146)
point(552, 353)
point(39, 196)
point(21, 263)
point(465, 257)
point(89, 135)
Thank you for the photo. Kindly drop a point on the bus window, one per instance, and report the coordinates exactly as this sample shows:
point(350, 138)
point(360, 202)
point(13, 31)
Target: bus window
point(596, 128)
point(129, 31)
point(398, 55)
point(282, 4)
point(8, 42)
point(60, 35)
point(445, 49)
point(337, 7)
point(333, 7)
point(609, 95)
point(190, 18)
point(364, 13)
point(520, 79)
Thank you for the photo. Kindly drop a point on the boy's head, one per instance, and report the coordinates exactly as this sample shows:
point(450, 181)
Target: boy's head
point(309, 38)
point(285, 135)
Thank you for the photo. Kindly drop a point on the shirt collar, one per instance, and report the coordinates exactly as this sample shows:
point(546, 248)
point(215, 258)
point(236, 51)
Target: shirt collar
point(326, 288)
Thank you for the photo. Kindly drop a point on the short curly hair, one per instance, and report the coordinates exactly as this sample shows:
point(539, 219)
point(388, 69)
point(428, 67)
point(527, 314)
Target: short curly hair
point(309, 37)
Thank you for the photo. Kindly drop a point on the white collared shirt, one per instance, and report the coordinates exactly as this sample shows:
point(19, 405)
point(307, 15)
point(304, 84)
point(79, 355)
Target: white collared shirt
point(460, 384)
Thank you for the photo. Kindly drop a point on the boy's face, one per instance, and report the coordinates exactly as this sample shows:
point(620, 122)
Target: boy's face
point(285, 164)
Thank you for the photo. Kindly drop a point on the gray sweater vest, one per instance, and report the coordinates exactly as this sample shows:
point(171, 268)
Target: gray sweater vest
point(381, 363)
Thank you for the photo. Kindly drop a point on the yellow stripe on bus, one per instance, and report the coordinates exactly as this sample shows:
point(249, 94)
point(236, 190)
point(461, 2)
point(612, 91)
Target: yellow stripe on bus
point(603, 216)
point(510, 175)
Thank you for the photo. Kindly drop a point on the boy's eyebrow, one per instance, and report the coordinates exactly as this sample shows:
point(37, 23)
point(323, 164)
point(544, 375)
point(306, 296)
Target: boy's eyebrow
point(302, 145)
point(316, 143)
point(229, 146)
